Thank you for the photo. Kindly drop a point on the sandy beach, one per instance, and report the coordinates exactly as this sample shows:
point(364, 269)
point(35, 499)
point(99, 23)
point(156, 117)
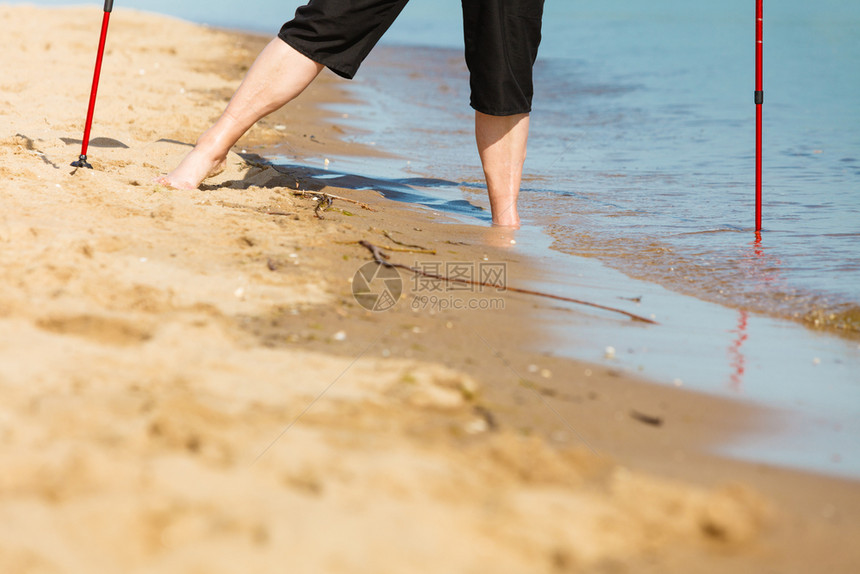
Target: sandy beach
point(187, 383)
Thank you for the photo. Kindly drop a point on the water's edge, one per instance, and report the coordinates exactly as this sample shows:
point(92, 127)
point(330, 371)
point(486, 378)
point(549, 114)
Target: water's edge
point(805, 375)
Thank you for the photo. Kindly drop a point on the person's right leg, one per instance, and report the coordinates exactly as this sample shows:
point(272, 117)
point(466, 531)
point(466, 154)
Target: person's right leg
point(502, 147)
point(279, 74)
point(502, 39)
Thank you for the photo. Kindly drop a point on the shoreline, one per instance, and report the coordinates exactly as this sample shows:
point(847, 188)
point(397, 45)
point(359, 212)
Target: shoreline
point(706, 346)
point(659, 259)
point(170, 330)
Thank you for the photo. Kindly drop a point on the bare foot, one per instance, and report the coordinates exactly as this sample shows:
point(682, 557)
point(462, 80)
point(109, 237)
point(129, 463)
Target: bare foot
point(192, 170)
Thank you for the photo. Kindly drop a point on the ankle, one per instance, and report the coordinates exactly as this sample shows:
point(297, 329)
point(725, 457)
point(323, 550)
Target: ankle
point(209, 148)
point(506, 222)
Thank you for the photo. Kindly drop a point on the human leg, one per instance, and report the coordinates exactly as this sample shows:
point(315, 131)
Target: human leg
point(334, 33)
point(502, 39)
point(279, 74)
point(502, 146)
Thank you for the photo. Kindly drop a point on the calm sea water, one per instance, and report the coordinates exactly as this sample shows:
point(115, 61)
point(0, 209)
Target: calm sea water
point(642, 147)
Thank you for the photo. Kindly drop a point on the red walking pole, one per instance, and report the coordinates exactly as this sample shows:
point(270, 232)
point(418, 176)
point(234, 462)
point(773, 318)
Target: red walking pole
point(759, 100)
point(82, 160)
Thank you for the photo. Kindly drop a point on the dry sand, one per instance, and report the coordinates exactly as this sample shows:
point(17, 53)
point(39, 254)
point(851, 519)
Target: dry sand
point(187, 384)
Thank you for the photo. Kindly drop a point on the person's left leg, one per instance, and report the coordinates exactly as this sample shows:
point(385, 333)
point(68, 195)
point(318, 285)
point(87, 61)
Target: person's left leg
point(502, 146)
point(279, 74)
point(337, 34)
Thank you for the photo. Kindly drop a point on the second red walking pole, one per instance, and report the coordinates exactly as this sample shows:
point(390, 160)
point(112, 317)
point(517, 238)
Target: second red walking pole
point(82, 160)
point(759, 100)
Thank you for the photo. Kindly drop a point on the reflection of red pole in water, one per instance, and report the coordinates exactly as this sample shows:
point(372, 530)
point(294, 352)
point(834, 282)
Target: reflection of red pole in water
point(758, 269)
point(736, 357)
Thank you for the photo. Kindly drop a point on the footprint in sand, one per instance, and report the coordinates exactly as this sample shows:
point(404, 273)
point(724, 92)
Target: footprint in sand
point(99, 329)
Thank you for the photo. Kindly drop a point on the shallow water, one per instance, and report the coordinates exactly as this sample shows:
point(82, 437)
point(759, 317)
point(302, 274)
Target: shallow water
point(664, 186)
point(642, 147)
point(641, 158)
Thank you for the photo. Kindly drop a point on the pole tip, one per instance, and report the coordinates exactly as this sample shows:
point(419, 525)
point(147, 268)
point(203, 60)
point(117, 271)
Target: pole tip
point(82, 162)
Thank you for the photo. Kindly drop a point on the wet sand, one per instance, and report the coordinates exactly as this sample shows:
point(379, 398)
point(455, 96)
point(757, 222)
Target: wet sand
point(187, 382)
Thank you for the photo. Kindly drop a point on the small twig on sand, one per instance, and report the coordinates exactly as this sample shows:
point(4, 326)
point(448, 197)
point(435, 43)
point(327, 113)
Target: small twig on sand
point(319, 194)
point(647, 419)
point(419, 247)
point(324, 203)
point(419, 250)
point(382, 259)
point(378, 255)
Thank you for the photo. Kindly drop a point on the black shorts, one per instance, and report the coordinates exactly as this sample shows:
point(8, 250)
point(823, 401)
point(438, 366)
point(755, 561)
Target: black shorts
point(502, 39)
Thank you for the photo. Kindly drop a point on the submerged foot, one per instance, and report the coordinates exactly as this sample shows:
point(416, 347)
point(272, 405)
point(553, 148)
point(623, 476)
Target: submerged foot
point(192, 171)
point(507, 219)
point(502, 236)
